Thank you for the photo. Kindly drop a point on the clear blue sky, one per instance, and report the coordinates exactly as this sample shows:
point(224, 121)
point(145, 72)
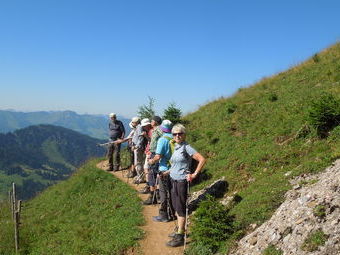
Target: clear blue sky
point(104, 56)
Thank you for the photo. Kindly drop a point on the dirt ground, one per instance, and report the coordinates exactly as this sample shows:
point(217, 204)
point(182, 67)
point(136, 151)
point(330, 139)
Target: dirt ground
point(156, 233)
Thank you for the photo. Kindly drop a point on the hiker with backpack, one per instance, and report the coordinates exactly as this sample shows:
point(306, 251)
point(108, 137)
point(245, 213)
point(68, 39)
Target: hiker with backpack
point(163, 154)
point(139, 142)
point(152, 169)
point(181, 177)
point(117, 131)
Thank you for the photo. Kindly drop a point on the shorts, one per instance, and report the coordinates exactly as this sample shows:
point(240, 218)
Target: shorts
point(146, 164)
point(153, 171)
point(179, 194)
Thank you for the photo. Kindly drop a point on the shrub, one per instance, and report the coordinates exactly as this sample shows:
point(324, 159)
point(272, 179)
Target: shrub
point(272, 250)
point(319, 211)
point(324, 114)
point(212, 225)
point(172, 113)
point(198, 249)
point(314, 240)
point(316, 58)
point(273, 97)
point(231, 107)
point(147, 110)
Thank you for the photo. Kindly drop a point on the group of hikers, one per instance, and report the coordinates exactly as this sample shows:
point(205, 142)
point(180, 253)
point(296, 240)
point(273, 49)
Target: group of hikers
point(161, 158)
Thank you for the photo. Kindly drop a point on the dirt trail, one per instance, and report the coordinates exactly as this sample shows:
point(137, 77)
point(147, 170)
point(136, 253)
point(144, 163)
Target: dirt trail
point(156, 233)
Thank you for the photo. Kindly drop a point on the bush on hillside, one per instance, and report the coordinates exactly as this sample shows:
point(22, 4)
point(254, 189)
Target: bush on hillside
point(316, 58)
point(273, 97)
point(147, 110)
point(324, 114)
point(212, 225)
point(231, 108)
point(172, 113)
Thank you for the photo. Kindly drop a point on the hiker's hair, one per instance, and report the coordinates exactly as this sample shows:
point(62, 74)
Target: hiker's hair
point(178, 128)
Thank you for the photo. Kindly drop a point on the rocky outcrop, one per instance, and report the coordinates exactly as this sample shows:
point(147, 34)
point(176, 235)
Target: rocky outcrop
point(312, 205)
point(215, 189)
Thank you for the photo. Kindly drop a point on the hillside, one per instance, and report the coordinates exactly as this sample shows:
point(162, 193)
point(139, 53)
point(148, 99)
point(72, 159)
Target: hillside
point(266, 134)
point(89, 213)
point(92, 125)
point(306, 222)
point(38, 156)
point(262, 139)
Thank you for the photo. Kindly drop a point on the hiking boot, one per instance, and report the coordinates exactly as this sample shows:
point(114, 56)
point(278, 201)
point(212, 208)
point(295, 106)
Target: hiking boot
point(131, 174)
point(150, 200)
point(160, 218)
point(173, 233)
point(138, 181)
point(145, 190)
point(178, 240)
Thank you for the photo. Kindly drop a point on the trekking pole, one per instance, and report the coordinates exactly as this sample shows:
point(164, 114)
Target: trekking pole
point(104, 144)
point(154, 193)
point(140, 177)
point(186, 216)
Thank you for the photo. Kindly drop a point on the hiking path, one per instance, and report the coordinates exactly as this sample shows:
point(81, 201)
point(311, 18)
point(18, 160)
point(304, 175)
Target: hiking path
point(155, 233)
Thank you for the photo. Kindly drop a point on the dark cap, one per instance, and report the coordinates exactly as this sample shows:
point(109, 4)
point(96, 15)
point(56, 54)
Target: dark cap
point(157, 119)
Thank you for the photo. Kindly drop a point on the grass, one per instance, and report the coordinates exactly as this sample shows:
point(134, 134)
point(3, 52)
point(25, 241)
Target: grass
point(7, 229)
point(262, 132)
point(90, 213)
point(314, 240)
point(272, 250)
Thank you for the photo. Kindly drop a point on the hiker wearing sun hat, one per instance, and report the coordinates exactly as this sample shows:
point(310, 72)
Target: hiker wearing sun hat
point(116, 131)
point(152, 170)
point(163, 155)
point(139, 142)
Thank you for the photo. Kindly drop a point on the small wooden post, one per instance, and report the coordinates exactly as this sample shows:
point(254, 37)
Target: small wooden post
point(19, 206)
point(19, 210)
point(16, 231)
point(14, 202)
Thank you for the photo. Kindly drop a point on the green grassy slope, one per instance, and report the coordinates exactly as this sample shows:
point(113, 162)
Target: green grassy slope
point(90, 213)
point(260, 137)
point(38, 156)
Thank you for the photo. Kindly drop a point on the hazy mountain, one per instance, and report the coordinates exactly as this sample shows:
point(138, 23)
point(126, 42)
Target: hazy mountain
point(92, 125)
point(38, 156)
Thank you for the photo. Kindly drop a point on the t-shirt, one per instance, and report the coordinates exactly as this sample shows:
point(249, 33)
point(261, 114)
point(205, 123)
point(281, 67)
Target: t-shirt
point(163, 149)
point(181, 160)
point(147, 149)
point(116, 129)
point(138, 139)
point(156, 134)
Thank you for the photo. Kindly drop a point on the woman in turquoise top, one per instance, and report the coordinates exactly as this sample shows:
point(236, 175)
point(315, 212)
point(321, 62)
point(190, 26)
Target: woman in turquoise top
point(180, 178)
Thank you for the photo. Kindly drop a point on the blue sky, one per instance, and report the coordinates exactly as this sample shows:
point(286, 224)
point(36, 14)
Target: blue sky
point(108, 56)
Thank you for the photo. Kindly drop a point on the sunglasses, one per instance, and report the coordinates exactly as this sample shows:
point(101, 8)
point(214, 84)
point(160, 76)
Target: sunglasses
point(176, 134)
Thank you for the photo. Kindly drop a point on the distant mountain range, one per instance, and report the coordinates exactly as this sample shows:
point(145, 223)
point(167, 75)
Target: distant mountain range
point(38, 156)
point(92, 125)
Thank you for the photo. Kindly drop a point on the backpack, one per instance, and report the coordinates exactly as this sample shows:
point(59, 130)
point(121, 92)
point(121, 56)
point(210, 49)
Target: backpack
point(193, 163)
point(172, 147)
